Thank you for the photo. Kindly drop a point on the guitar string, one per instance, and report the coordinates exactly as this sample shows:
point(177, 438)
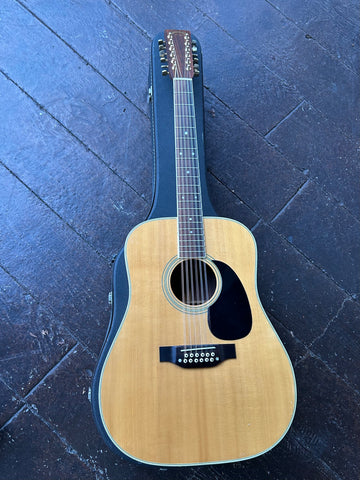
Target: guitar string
point(197, 265)
point(183, 272)
point(198, 297)
point(201, 265)
point(183, 211)
point(190, 192)
point(186, 184)
point(194, 285)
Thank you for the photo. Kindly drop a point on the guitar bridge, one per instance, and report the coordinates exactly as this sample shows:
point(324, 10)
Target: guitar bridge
point(197, 356)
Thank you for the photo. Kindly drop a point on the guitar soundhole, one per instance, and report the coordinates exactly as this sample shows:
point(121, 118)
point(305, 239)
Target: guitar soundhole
point(193, 281)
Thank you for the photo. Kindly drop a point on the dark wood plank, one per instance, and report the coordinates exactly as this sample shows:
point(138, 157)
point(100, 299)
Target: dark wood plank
point(334, 24)
point(327, 421)
point(86, 104)
point(31, 342)
point(322, 152)
point(243, 81)
point(69, 388)
point(292, 289)
point(54, 264)
point(228, 205)
point(326, 233)
point(29, 449)
point(80, 188)
point(299, 60)
point(339, 347)
point(244, 162)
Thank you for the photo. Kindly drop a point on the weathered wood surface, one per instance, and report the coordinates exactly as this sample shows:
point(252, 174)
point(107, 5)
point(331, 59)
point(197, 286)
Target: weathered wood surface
point(282, 130)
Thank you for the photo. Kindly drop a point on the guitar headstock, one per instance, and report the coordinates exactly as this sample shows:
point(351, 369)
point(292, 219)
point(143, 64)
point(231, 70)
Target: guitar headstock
point(178, 54)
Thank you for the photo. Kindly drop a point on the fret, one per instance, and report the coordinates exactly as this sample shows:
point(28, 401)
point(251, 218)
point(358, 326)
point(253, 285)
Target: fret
point(185, 148)
point(194, 228)
point(194, 253)
point(197, 241)
point(187, 222)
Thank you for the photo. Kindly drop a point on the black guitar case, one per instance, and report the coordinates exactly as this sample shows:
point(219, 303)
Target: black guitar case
point(164, 192)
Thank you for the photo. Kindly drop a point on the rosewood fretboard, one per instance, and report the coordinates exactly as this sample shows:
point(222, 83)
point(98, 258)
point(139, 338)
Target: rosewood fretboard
point(191, 241)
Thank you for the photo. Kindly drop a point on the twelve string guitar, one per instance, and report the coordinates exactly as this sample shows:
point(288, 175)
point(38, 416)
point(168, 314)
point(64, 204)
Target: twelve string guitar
point(194, 373)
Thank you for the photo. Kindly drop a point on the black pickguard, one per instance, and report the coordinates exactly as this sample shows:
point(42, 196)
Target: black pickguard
point(230, 317)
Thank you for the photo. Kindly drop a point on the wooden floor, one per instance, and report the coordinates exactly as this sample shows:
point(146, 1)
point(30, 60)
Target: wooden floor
point(282, 131)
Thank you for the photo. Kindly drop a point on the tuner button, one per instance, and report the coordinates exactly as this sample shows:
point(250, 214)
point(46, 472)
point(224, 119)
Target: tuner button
point(196, 72)
point(162, 59)
point(164, 72)
point(161, 41)
point(196, 65)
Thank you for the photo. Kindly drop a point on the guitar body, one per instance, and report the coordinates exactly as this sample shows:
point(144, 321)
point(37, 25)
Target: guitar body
point(159, 413)
point(191, 371)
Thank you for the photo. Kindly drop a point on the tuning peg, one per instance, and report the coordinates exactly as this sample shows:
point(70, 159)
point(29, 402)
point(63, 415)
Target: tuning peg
point(194, 48)
point(196, 72)
point(161, 41)
point(196, 66)
point(164, 70)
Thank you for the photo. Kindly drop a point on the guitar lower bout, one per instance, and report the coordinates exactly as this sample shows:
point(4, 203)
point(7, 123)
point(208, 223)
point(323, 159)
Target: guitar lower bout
point(158, 412)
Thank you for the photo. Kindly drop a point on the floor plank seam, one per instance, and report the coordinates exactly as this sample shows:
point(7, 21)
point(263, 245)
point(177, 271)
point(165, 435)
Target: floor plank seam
point(269, 224)
point(232, 192)
point(330, 322)
point(116, 7)
point(91, 464)
point(48, 310)
point(310, 353)
point(26, 290)
point(276, 148)
point(27, 406)
point(290, 200)
point(286, 117)
point(354, 295)
point(309, 449)
point(81, 142)
point(101, 255)
point(51, 371)
point(87, 63)
point(12, 418)
point(249, 52)
point(310, 37)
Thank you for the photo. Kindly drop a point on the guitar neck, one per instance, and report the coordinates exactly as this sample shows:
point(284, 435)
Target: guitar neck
point(191, 240)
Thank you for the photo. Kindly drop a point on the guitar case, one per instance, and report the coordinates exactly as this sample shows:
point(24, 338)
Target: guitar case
point(164, 192)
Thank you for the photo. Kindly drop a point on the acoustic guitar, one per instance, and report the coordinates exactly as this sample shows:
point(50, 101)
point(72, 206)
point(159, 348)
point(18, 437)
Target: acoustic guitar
point(192, 371)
